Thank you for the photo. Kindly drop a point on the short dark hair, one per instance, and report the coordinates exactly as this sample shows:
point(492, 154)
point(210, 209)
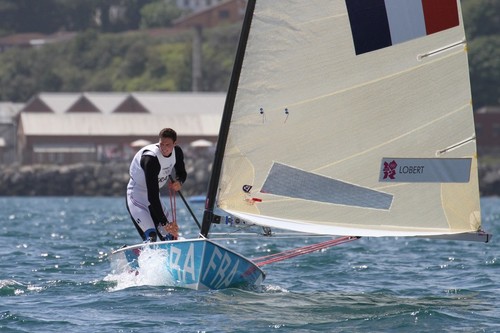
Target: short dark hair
point(168, 133)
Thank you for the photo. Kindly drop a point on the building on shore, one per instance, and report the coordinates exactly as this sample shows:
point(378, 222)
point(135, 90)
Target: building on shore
point(66, 128)
point(8, 140)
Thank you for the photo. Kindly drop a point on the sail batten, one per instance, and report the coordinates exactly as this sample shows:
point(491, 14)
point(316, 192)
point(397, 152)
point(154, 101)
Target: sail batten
point(336, 129)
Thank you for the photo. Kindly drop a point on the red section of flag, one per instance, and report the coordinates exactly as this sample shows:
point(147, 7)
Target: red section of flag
point(440, 15)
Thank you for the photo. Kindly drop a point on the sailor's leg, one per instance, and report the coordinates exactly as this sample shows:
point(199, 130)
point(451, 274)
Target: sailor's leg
point(142, 220)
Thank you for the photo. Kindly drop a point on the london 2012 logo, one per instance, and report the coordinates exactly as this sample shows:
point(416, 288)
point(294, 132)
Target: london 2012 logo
point(390, 170)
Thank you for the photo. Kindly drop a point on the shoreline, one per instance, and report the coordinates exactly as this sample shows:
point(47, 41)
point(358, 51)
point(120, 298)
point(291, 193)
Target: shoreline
point(89, 179)
point(110, 179)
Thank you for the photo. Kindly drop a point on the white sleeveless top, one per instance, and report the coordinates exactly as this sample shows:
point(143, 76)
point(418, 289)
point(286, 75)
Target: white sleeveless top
point(137, 181)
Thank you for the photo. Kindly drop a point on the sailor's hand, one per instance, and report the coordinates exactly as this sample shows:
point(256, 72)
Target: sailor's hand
point(176, 186)
point(173, 229)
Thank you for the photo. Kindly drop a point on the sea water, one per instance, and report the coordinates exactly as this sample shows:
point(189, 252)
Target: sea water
point(55, 277)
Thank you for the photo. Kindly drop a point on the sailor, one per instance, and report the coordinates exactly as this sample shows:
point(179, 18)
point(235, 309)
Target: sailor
point(150, 170)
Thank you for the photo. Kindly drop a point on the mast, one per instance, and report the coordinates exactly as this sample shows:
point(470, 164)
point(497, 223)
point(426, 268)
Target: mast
point(208, 214)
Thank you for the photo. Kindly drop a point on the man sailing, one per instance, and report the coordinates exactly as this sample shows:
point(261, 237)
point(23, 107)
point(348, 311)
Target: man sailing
point(150, 170)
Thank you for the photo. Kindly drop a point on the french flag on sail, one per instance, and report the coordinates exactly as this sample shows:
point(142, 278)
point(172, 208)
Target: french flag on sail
point(376, 24)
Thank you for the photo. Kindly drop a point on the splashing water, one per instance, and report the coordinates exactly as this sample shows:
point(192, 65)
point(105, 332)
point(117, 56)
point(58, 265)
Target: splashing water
point(151, 271)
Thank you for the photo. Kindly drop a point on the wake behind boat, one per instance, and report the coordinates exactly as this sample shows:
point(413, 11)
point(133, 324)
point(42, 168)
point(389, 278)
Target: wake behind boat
point(345, 118)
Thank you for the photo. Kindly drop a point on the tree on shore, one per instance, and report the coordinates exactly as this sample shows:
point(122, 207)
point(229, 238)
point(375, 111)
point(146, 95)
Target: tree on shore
point(99, 59)
point(482, 23)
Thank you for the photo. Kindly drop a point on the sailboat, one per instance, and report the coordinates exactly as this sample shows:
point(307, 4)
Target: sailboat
point(347, 118)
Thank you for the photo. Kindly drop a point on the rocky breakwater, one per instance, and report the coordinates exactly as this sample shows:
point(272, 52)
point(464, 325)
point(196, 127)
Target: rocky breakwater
point(88, 179)
point(65, 180)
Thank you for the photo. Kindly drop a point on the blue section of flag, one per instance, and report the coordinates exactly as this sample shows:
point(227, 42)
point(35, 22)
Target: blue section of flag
point(369, 25)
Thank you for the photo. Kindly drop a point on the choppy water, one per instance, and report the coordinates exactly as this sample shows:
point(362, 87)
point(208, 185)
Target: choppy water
point(55, 277)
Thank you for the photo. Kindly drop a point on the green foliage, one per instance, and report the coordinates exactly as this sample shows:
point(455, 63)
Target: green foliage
point(484, 60)
point(481, 17)
point(16, 81)
point(97, 61)
point(176, 58)
point(218, 57)
point(482, 26)
point(49, 16)
point(28, 16)
point(159, 14)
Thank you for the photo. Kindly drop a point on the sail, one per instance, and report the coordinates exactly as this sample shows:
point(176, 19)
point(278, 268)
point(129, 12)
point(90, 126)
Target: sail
point(354, 118)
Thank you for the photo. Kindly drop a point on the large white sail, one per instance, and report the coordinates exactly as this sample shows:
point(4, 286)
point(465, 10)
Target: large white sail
point(354, 118)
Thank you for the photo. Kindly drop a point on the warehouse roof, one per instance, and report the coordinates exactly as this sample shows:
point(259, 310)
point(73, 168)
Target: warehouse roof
point(78, 124)
point(122, 114)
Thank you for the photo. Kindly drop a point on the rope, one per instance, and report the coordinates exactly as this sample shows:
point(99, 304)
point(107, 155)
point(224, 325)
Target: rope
point(266, 260)
point(187, 205)
point(173, 206)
